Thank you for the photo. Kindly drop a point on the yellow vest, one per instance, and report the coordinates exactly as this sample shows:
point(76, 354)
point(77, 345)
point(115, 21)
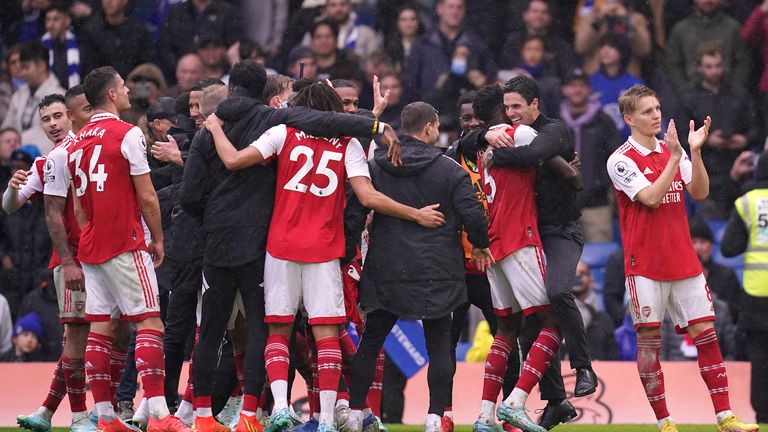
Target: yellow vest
point(477, 186)
point(753, 209)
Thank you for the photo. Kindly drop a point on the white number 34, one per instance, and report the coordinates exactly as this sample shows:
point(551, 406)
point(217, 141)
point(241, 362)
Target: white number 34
point(96, 171)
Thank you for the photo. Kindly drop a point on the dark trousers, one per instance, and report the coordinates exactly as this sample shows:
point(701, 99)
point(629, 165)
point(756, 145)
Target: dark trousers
point(437, 333)
point(223, 284)
point(758, 353)
point(563, 245)
point(180, 321)
point(479, 295)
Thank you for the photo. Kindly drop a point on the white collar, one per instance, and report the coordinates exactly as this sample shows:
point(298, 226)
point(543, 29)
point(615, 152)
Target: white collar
point(103, 116)
point(644, 150)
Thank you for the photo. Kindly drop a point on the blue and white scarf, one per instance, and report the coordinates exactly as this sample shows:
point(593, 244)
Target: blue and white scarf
point(73, 57)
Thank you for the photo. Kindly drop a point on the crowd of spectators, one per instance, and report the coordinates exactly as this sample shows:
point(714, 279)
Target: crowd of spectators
point(703, 57)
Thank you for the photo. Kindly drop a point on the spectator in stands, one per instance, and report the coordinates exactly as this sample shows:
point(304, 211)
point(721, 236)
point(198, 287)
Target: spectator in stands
point(602, 345)
point(22, 113)
point(6, 325)
point(146, 84)
point(212, 54)
point(755, 33)
point(42, 302)
point(13, 62)
point(298, 55)
point(735, 126)
point(25, 21)
point(113, 38)
point(742, 235)
point(251, 50)
point(190, 21)
point(63, 49)
point(266, 20)
point(24, 243)
point(614, 287)
point(443, 52)
point(537, 63)
point(376, 64)
point(613, 78)
point(391, 82)
point(332, 62)
point(400, 41)
point(613, 17)
point(359, 38)
point(705, 23)
point(594, 138)
point(537, 19)
point(189, 70)
point(464, 76)
point(10, 141)
point(27, 333)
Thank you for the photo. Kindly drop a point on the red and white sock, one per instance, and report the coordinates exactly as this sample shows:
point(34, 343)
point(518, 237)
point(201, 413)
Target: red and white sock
point(277, 360)
point(57, 390)
point(329, 373)
point(117, 357)
point(493, 376)
point(74, 377)
point(239, 356)
point(203, 406)
point(250, 405)
point(651, 375)
point(97, 366)
point(150, 365)
point(541, 354)
point(373, 399)
point(712, 369)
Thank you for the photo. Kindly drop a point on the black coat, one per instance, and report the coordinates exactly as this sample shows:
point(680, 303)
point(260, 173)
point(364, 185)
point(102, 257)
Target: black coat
point(412, 271)
point(236, 206)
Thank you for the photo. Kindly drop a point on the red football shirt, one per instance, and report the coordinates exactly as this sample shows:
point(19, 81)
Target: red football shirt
point(512, 202)
point(57, 183)
point(107, 153)
point(657, 242)
point(308, 218)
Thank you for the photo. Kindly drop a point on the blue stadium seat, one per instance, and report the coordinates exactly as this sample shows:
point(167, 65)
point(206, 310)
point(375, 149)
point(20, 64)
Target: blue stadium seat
point(596, 254)
point(461, 350)
point(718, 229)
point(598, 280)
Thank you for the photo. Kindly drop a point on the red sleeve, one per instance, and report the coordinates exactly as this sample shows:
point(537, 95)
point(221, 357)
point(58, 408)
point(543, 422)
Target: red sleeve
point(753, 30)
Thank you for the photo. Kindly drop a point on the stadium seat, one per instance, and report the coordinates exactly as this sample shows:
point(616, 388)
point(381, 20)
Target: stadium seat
point(596, 254)
point(461, 350)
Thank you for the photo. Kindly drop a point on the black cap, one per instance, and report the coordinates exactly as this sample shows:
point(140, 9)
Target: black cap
point(22, 156)
point(700, 229)
point(164, 108)
point(576, 75)
point(299, 52)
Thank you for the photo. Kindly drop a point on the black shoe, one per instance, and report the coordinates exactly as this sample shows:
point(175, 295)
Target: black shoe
point(586, 382)
point(553, 415)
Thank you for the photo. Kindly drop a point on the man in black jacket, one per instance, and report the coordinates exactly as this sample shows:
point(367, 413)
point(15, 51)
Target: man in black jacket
point(412, 272)
point(559, 228)
point(236, 208)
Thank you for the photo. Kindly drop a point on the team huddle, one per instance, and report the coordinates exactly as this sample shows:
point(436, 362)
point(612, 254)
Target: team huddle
point(284, 196)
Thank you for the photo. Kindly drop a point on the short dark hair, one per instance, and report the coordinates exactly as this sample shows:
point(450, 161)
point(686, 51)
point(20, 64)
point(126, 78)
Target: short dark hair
point(488, 101)
point(57, 5)
point(51, 99)
point(465, 98)
point(525, 86)
point(249, 75)
point(319, 96)
point(250, 47)
point(299, 85)
point(415, 116)
point(205, 82)
point(342, 83)
point(72, 93)
point(325, 22)
point(97, 83)
point(182, 104)
point(275, 85)
point(33, 51)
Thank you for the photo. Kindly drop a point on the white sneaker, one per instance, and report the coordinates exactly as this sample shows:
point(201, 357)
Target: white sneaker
point(141, 416)
point(230, 411)
point(341, 417)
point(354, 422)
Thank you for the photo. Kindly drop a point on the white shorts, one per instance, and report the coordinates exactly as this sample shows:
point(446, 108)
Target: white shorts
point(237, 308)
point(126, 284)
point(71, 303)
point(318, 285)
point(688, 301)
point(517, 283)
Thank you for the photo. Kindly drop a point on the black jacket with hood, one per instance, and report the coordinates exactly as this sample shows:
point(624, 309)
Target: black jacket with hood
point(412, 271)
point(236, 206)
